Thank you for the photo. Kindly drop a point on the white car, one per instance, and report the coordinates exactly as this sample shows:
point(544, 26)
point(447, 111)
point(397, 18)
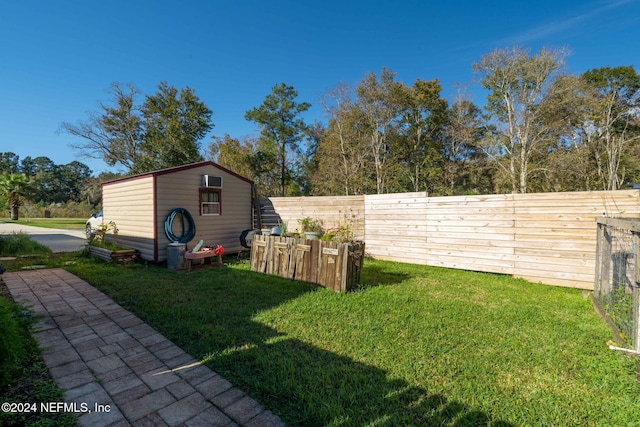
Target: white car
point(93, 223)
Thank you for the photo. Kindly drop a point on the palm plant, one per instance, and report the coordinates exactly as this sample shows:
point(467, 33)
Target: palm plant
point(15, 187)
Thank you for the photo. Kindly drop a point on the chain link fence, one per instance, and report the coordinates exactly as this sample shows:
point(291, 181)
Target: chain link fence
point(617, 276)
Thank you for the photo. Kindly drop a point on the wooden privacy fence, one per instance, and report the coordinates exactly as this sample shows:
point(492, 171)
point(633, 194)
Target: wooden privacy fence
point(542, 237)
point(334, 265)
point(332, 211)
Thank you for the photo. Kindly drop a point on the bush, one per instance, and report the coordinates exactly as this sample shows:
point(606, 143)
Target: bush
point(20, 244)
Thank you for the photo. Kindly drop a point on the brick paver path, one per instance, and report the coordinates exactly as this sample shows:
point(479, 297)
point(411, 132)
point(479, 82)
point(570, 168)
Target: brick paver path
point(101, 354)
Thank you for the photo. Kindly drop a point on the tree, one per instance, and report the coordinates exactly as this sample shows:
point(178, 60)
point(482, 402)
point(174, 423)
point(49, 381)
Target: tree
point(92, 188)
point(282, 128)
point(28, 166)
point(116, 135)
point(518, 83)
point(164, 131)
point(9, 162)
point(70, 180)
point(377, 101)
point(233, 154)
point(307, 160)
point(465, 125)
point(174, 123)
point(265, 168)
point(423, 116)
point(614, 118)
point(50, 183)
point(341, 155)
point(43, 175)
point(15, 187)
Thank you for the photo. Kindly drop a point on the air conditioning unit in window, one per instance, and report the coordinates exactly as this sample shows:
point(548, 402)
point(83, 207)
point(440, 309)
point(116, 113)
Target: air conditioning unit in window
point(211, 181)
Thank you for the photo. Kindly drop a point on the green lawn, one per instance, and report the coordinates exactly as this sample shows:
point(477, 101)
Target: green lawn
point(24, 377)
point(78, 223)
point(415, 346)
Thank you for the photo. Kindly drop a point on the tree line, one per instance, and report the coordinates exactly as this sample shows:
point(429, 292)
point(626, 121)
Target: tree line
point(49, 183)
point(541, 129)
point(39, 184)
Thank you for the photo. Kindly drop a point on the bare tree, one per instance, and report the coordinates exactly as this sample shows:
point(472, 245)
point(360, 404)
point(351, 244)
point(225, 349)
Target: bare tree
point(379, 112)
point(343, 143)
point(464, 128)
point(614, 118)
point(518, 83)
point(116, 134)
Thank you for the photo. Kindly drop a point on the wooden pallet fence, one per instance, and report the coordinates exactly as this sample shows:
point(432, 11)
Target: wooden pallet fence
point(333, 265)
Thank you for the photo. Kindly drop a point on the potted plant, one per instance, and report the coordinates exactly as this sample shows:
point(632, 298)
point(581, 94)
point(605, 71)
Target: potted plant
point(312, 228)
point(108, 249)
point(340, 234)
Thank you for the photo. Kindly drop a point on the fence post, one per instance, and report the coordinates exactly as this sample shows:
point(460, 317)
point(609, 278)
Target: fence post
point(599, 242)
point(636, 293)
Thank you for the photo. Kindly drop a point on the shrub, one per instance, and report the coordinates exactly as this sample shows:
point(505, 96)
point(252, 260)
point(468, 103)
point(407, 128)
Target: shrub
point(20, 244)
point(99, 236)
point(309, 224)
point(342, 234)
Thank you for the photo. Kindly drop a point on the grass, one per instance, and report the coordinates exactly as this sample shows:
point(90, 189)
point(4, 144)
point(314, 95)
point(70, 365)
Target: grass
point(24, 377)
point(67, 223)
point(29, 252)
point(17, 244)
point(414, 346)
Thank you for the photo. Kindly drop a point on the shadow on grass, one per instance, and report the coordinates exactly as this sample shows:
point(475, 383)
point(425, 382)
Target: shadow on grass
point(375, 275)
point(310, 386)
point(210, 314)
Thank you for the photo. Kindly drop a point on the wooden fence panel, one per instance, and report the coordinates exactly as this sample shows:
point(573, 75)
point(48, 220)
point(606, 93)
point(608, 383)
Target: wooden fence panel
point(300, 261)
point(555, 233)
point(332, 211)
point(279, 256)
point(354, 259)
point(471, 232)
point(259, 254)
point(329, 266)
point(395, 226)
point(542, 237)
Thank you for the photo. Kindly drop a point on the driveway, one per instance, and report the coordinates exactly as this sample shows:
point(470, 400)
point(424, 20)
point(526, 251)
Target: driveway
point(56, 239)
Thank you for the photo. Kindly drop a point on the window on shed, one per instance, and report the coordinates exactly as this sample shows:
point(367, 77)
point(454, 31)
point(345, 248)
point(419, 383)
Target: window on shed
point(210, 202)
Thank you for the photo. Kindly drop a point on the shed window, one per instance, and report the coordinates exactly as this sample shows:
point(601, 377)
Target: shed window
point(210, 202)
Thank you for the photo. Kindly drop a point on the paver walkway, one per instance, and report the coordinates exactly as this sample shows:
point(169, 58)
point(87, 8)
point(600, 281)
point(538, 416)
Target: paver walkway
point(101, 354)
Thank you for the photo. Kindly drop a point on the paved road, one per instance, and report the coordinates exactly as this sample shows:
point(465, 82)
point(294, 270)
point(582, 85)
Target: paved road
point(57, 239)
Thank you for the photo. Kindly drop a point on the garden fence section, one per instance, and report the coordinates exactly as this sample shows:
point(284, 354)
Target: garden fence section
point(333, 265)
point(542, 237)
point(331, 211)
point(617, 276)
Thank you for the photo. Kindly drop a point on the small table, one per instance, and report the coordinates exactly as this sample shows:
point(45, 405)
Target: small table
point(205, 254)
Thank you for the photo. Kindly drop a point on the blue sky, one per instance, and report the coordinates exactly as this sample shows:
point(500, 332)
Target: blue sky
point(58, 58)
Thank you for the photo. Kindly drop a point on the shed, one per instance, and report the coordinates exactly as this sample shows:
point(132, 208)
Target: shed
point(219, 200)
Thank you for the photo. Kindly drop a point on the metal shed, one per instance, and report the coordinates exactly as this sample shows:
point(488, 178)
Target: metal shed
point(218, 200)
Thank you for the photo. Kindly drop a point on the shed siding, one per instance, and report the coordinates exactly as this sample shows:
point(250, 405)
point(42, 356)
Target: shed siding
point(180, 189)
point(129, 204)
